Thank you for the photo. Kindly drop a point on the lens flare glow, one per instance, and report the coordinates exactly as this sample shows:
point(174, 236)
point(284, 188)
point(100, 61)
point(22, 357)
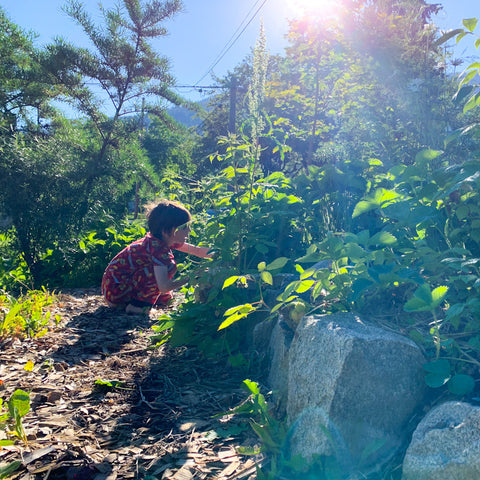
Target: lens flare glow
point(317, 8)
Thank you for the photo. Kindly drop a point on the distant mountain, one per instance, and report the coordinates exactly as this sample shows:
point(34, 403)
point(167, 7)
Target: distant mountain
point(185, 116)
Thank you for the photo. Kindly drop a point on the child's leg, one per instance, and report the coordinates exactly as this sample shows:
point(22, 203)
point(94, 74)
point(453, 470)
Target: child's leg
point(136, 310)
point(136, 306)
point(116, 306)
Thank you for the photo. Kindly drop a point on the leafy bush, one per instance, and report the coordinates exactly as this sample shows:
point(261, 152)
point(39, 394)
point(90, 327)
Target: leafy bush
point(27, 316)
point(418, 272)
point(410, 256)
point(14, 273)
point(81, 262)
point(253, 223)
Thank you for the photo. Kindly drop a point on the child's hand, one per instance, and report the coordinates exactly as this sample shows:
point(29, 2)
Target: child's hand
point(211, 254)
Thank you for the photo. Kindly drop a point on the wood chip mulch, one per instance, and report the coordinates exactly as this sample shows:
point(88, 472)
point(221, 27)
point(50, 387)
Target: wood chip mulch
point(157, 423)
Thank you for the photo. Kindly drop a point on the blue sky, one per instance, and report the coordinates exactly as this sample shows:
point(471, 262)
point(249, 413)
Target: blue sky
point(199, 34)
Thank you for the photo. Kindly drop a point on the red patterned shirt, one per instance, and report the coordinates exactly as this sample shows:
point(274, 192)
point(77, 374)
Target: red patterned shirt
point(130, 275)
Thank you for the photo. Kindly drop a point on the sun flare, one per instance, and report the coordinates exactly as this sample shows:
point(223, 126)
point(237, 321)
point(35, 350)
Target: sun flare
point(323, 8)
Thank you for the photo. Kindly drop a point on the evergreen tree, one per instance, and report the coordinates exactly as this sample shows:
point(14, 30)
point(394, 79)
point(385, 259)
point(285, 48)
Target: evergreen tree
point(57, 176)
point(133, 78)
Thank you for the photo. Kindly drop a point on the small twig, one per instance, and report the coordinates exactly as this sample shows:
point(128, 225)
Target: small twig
point(145, 401)
point(127, 352)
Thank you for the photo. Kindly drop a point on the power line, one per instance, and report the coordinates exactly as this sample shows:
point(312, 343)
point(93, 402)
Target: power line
point(200, 86)
point(234, 38)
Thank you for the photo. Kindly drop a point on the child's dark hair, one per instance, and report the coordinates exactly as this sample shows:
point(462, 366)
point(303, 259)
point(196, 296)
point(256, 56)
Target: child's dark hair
point(165, 215)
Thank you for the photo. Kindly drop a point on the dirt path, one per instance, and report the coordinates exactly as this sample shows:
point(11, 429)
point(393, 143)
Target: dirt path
point(157, 424)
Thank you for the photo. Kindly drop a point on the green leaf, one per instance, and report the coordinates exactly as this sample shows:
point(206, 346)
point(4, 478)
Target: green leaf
point(20, 400)
point(427, 154)
point(312, 257)
point(230, 281)
point(424, 300)
point(363, 206)
point(354, 251)
point(434, 380)
point(277, 263)
point(266, 277)
point(462, 93)
point(416, 336)
point(261, 266)
point(7, 470)
point(383, 238)
point(164, 323)
point(380, 197)
point(359, 286)
point(237, 360)
point(289, 289)
point(249, 450)
point(460, 36)
point(252, 387)
point(461, 384)
point(263, 432)
point(470, 23)
point(108, 383)
point(239, 308)
point(19, 431)
point(438, 372)
point(306, 274)
point(238, 312)
point(471, 74)
point(6, 443)
point(474, 343)
point(447, 36)
point(416, 305)
point(278, 306)
point(438, 295)
point(440, 367)
point(304, 285)
point(453, 314)
point(229, 172)
point(318, 290)
point(472, 103)
point(231, 320)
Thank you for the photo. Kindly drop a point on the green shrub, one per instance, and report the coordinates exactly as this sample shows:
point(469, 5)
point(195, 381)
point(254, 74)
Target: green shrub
point(26, 316)
point(81, 262)
point(14, 273)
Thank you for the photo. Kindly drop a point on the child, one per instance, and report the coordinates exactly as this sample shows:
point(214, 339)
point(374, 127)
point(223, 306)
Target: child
point(141, 275)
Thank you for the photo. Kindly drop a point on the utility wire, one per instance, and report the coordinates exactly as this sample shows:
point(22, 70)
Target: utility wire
point(200, 86)
point(234, 38)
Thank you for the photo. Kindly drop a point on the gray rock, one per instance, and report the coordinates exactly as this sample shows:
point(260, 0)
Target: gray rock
point(271, 341)
point(280, 342)
point(352, 389)
point(445, 445)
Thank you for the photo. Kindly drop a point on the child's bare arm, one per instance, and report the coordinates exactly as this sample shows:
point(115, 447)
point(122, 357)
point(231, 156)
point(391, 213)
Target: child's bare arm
point(164, 283)
point(202, 252)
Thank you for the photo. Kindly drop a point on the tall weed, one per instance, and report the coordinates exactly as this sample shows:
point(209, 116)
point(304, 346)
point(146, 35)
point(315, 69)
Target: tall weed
point(26, 316)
